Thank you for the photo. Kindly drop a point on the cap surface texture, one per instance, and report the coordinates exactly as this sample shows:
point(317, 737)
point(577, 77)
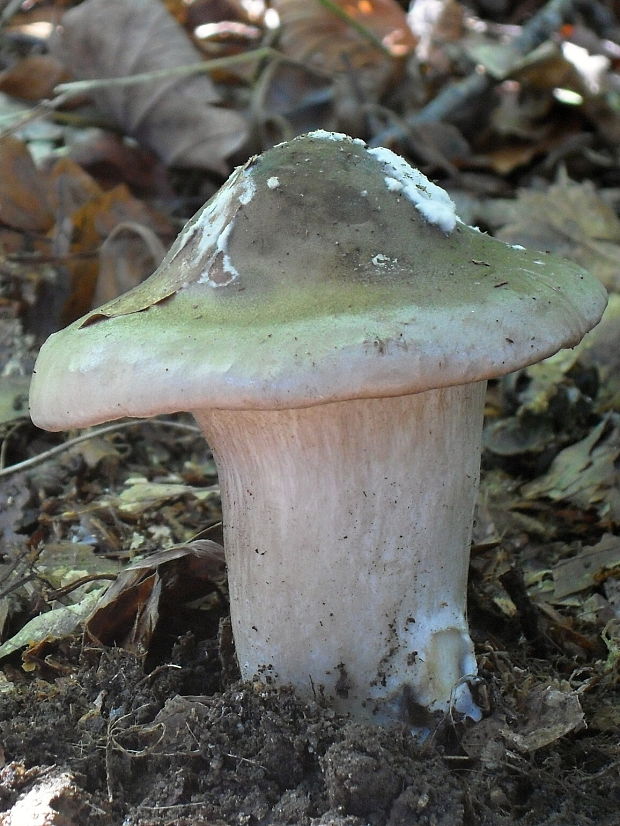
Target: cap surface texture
point(320, 271)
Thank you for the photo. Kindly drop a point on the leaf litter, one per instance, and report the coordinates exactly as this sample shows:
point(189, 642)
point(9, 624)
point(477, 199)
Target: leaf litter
point(121, 704)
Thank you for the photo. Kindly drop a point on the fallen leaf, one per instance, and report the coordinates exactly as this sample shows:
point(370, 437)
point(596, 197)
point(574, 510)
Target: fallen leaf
point(23, 199)
point(140, 495)
point(63, 562)
point(32, 78)
point(315, 34)
point(112, 160)
point(69, 188)
point(129, 254)
point(176, 117)
point(589, 567)
point(57, 623)
point(585, 473)
point(572, 220)
point(130, 610)
point(550, 712)
point(91, 224)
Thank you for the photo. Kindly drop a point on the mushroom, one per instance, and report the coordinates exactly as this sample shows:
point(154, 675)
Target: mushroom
point(331, 325)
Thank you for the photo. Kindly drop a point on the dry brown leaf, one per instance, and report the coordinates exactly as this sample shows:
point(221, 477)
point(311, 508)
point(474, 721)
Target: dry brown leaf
point(23, 200)
point(91, 224)
point(572, 220)
point(130, 609)
point(511, 156)
point(177, 117)
point(32, 78)
point(315, 35)
point(128, 255)
point(113, 160)
point(69, 188)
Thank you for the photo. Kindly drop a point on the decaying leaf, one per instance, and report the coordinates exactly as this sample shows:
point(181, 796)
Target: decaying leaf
point(57, 623)
point(550, 712)
point(599, 349)
point(69, 187)
point(572, 220)
point(129, 611)
point(585, 473)
point(48, 796)
point(589, 567)
point(337, 36)
point(32, 78)
point(128, 255)
point(62, 562)
point(178, 118)
point(139, 494)
point(23, 198)
point(90, 225)
point(554, 407)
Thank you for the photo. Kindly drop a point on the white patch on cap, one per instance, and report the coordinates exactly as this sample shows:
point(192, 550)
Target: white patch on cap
point(273, 182)
point(431, 201)
point(210, 230)
point(227, 264)
point(248, 189)
point(323, 134)
point(392, 184)
point(380, 260)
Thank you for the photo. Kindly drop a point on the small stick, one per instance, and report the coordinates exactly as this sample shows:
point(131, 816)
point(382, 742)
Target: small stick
point(92, 434)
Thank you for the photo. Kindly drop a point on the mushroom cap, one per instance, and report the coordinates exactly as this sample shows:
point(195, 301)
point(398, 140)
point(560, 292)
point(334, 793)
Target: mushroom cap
point(320, 271)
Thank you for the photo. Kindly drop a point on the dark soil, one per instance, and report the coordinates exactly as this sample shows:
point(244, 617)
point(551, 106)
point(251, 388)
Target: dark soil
point(147, 749)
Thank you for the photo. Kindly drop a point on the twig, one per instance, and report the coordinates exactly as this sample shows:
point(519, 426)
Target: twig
point(11, 8)
point(92, 434)
point(41, 110)
point(76, 87)
point(478, 83)
point(59, 593)
point(549, 19)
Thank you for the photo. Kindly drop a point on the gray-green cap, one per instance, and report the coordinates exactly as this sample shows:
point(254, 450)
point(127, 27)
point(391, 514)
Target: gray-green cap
point(321, 271)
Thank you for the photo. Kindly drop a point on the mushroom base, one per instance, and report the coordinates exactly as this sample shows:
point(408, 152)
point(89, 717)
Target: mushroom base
point(347, 529)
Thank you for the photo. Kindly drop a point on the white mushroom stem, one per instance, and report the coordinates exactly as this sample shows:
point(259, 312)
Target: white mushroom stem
point(347, 530)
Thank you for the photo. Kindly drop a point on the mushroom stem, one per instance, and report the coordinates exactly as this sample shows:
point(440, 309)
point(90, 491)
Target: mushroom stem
point(347, 529)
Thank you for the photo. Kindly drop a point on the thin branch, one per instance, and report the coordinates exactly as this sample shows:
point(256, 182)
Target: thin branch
point(41, 110)
point(76, 87)
point(478, 83)
point(91, 434)
point(11, 8)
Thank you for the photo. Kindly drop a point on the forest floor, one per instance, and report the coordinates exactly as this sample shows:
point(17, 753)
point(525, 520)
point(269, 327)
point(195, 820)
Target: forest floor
point(123, 705)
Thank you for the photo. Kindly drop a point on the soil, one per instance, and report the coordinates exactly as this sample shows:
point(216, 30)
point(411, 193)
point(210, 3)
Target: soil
point(143, 749)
